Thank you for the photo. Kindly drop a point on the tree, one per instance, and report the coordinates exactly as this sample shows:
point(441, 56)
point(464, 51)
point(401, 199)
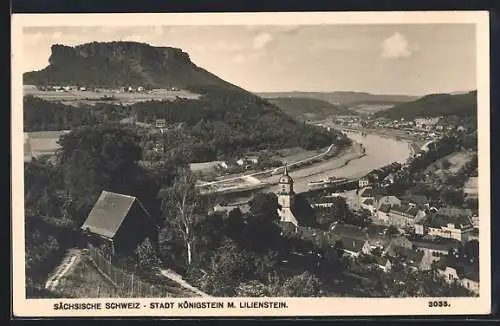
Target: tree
point(252, 288)
point(264, 207)
point(445, 164)
point(392, 230)
point(454, 197)
point(180, 205)
point(228, 267)
point(146, 255)
point(303, 285)
point(339, 248)
point(99, 158)
point(42, 184)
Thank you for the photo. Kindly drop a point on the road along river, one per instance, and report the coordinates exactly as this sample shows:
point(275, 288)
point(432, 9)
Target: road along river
point(379, 151)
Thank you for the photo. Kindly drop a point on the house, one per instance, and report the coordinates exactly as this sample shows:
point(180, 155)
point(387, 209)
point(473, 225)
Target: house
point(383, 263)
point(387, 200)
point(416, 200)
point(428, 121)
point(382, 213)
point(420, 228)
point(160, 123)
point(433, 251)
point(354, 247)
point(389, 179)
point(363, 182)
point(435, 248)
point(456, 231)
point(325, 201)
point(247, 160)
point(465, 275)
point(393, 247)
point(119, 223)
point(348, 231)
point(369, 205)
point(226, 208)
point(405, 215)
point(369, 192)
point(222, 165)
point(252, 159)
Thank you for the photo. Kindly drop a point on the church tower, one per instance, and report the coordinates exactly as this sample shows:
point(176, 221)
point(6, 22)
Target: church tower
point(286, 198)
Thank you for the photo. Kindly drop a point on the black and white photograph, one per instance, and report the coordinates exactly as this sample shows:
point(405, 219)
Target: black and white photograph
point(178, 162)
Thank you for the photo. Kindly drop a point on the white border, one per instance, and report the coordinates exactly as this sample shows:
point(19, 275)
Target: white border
point(296, 307)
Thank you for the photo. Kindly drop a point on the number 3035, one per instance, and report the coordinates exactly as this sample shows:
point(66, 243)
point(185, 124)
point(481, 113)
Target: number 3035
point(439, 304)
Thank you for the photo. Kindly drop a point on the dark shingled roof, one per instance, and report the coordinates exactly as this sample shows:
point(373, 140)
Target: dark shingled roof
point(352, 244)
point(108, 213)
point(349, 231)
point(368, 192)
point(368, 201)
point(469, 271)
point(405, 210)
point(382, 261)
point(444, 244)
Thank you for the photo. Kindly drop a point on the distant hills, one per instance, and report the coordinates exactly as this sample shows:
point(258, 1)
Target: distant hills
point(309, 108)
point(458, 104)
point(347, 98)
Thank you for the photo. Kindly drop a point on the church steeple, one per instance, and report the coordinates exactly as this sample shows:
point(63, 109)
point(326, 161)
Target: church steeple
point(286, 197)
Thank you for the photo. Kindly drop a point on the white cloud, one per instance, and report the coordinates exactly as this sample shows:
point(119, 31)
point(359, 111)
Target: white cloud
point(261, 40)
point(56, 35)
point(239, 58)
point(227, 46)
point(251, 57)
point(397, 46)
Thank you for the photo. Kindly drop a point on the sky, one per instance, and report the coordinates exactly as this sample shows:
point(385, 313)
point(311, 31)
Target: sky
point(413, 59)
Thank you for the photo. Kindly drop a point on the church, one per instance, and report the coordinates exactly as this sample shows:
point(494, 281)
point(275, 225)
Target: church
point(286, 199)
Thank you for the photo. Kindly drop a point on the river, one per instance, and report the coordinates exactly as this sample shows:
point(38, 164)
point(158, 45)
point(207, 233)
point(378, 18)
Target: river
point(379, 151)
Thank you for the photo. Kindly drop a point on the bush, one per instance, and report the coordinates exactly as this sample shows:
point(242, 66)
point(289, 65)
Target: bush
point(303, 285)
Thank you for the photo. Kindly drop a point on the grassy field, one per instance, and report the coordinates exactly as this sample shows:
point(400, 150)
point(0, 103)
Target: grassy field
point(42, 142)
point(91, 97)
point(456, 160)
point(85, 281)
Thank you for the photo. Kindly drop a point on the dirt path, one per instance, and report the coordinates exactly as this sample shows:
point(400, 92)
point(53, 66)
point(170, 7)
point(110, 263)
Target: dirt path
point(178, 279)
point(70, 258)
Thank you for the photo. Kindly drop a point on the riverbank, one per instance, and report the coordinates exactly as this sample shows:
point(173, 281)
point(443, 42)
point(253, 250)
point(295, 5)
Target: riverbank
point(391, 133)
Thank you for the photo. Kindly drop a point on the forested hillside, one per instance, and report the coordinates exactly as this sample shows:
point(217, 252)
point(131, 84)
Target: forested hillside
point(304, 109)
point(221, 123)
point(460, 105)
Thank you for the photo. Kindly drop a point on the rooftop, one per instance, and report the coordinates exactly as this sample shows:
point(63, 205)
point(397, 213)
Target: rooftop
point(352, 244)
point(350, 231)
point(108, 213)
point(469, 271)
point(406, 210)
point(442, 244)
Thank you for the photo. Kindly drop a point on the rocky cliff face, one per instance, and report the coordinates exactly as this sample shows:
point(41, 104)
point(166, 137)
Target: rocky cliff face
point(112, 64)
